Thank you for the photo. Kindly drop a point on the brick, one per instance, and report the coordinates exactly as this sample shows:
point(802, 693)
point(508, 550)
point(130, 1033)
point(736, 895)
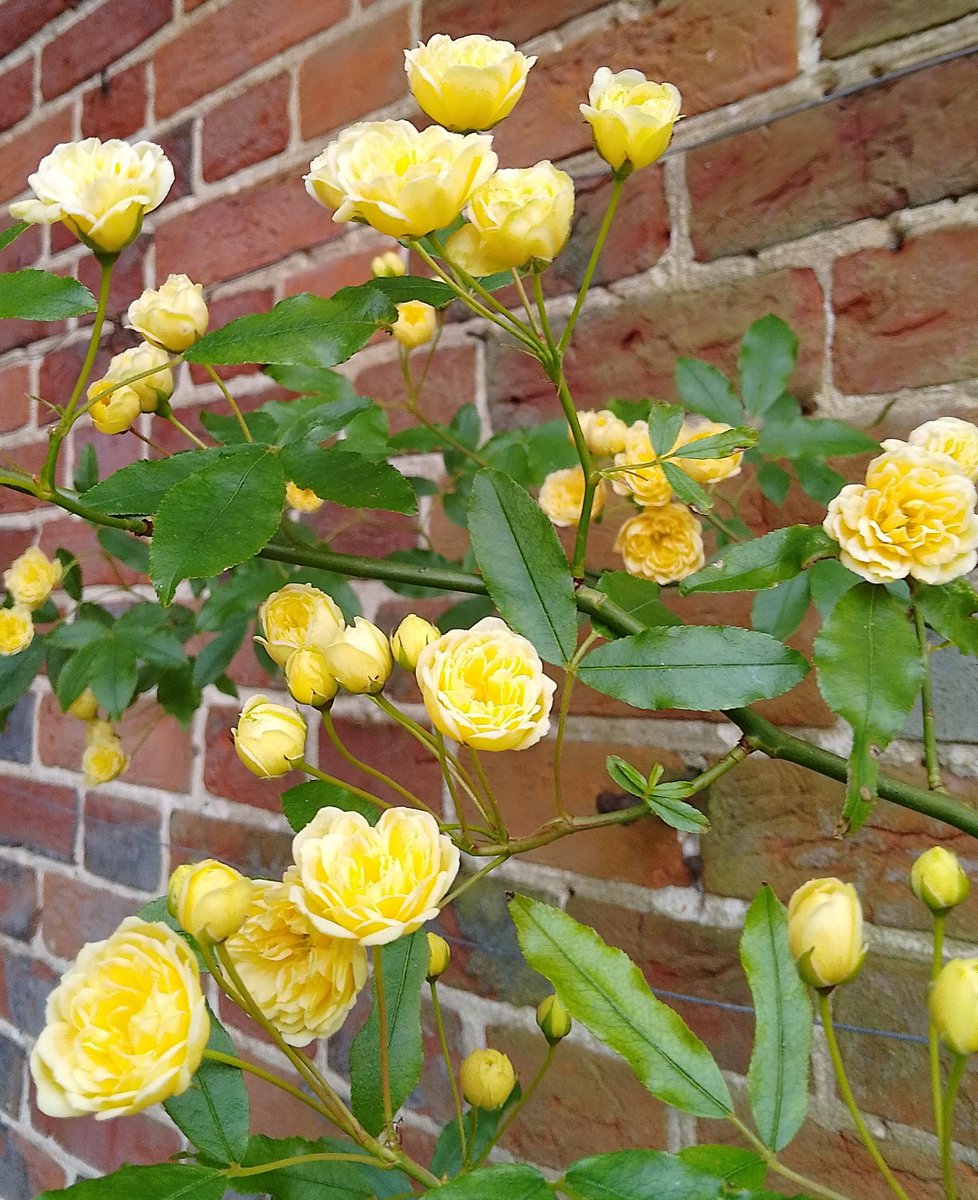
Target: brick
point(498, 18)
point(17, 735)
point(19, 910)
point(16, 93)
point(678, 42)
point(122, 841)
point(247, 129)
point(906, 317)
point(849, 25)
point(24, 151)
point(91, 44)
point(254, 852)
point(336, 269)
point(75, 912)
point(211, 52)
point(117, 107)
point(13, 1062)
point(279, 218)
point(16, 408)
point(334, 86)
point(894, 146)
point(38, 816)
point(19, 19)
point(226, 775)
point(29, 457)
point(24, 251)
point(26, 1169)
point(107, 1145)
point(178, 146)
point(25, 985)
point(450, 382)
point(391, 750)
point(229, 308)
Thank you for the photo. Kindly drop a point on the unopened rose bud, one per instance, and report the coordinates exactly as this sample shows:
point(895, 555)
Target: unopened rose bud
point(104, 758)
point(416, 324)
point(297, 615)
point(553, 1019)
point(387, 265)
point(307, 677)
point(603, 432)
point(16, 629)
point(31, 577)
point(487, 1078)
point(938, 880)
point(84, 707)
point(269, 738)
point(360, 658)
point(209, 899)
point(173, 316)
point(151, 389)
point(825, 932)
point(115, 411)
point(953, 1005)
point(302, 499)
point(410, 638)
point(439, 956)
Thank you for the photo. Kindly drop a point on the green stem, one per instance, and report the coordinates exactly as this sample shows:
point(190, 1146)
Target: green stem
point(270, 1077)
point(373, 772)
point(825, 1011)
point(595, 255)
point(591, 477)
point(947, 1166)
point(518, 1107)
point(180, 427)
point(238, 1172)
point(443, 1042)
point(933, 1038)
point(232, 404)
point(488, 299)
point(480, 874)
point(445, 436)
point(544, 316)
point(810, 1185)
point(934, 780)
point(524, 300)
point(385, 1066)
point(718, 523)
point(497, 822)
point(302, 765)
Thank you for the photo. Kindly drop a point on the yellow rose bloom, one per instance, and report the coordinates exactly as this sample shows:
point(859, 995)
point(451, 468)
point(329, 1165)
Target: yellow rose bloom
point(706, 470)
point(487, 1078)
point(646, 485)
point(604, 432)
point(416, 324)
point(825, 932)
point(104, 758)
point(115, 412)
point(915, 515)
point(485, 687)
point(304, 982)
point(466, 83)
point(402, 182)
point(209, 899)
point(664, 544)
point(16, 630)
point(303, 500)
point(173, 316)
point(951, 436)
point(371, 884)
point(100, 190)
point(953, 1005)
point(518, 217)
point(269, 738)
point(308, 678)
point(631, 118)
point(562, 495)
point(32, 577)
point(298, 615)
point(151, 389)
point(126, 1026)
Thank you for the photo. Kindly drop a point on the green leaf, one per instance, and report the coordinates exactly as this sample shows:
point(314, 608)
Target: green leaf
point(11, 233)
point(71, 578)
point(108, 666)
point(216, 518)
point(348, 478)
point(480, 1130)
point(718, 445)
point(949, 609)
point(664, 800)
point(86, 469)
point(301, 803)
point(869, 672)
point(509, 1182)
point(224, 428)
point(665, 421)
point(177, 694)
point(640, 598)
point(137, 489)
point(763, 562)
point(777, 1080)
point(320, 381)
point(766, 362)
point(368, 432)
point(817, 480)
point(818, 438)
point(465, 614)
point(405, 964)
point(687, 490)
point(304, 330)
point(127, 548)
point(603, 989)
point(18, 672)
point(313, 418)
point(215, 658)
point(703, 389)
point(214, 1112)
point(828, 580)
point(700, 668)
point(781, 609)
point(774, 482)
point(400, 288)
point(641, 1175)
point(40, 296)
point(165, 1181)
point(524, 565)
point(739, 1168)
point(318, 1180)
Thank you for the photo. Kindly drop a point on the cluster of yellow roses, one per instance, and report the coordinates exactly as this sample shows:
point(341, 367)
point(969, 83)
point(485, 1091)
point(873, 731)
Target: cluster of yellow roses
point(664, 541)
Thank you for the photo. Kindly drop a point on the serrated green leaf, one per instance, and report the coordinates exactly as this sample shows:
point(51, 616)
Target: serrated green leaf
point(511, 1181)
point(818, 481)
point(687, 490)
point(303, 330)
point(949, 609)
point(18, 672)
point(766, 362)
point(216, 518)
point(781, 609)
point(523, 564)
point(301, 803)
point(828, 580)
point(177, 694)
point(368, 433)
point(818, 438)
point(604, 990)
point(86, 469)
point(225, 428)
point(700, 668)
point(666, 801)
point(763, 562)
point(320, 381)
point(71, 578)
point(641, 1175)
point(626, 776)
point(345, 477)
point(777, 1080)
point(41, 296)
point(705, 390)
point(718, 445)
point(739, 1168)
point(165, 1181)
point(401, 288)
point(665, 421)
point(108, 666)
point(317, 1180)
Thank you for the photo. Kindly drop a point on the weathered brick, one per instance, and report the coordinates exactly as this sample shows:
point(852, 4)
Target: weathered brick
point(389, 748)
point(276, 1114)
point(24, 151)
point(849, 25)
point(122, 841)
point(255, 852)
point(26, 1169)
point(211, 51)
point(19, 909)
point(106, 1145)
point(897, 145)
point(38, 816)
point(25, 984)
point(75, 912)
point(246, 129)
point(498, 18)
point(19, 19)
point(13, 1062)
point(16, 93)
point(117, 107)
point(906, 317)
point(89, 45)
point(226, 775)
point(16, 408)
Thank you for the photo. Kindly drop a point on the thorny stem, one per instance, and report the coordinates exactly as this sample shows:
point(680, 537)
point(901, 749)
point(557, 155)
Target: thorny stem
point(444, 435)
point(934, 780)
point(232, 403)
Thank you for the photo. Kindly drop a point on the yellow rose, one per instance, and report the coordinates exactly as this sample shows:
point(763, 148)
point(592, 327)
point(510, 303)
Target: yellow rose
point(32, 577)
point(173, 316)
point(953, 1005)
point(410, 638)
point(304, 982)
point(387, 265)
point(115, 412)
point(416, 324)
point(603, 431)
point(209, 899)
point(646, 485)
point(553, 1019)
point(372, 884)
point(84, 707)
point(16, 630)
point(518, 217)
point(466, 83)
point(487, 1078)
point(631, 118)
point(151, 389)
point(915, 515)
point(100, 190)
point(706, 470)
point(439, 956)
point(951, 436)
point(104, 758)
point(308, 678)
point(126, 1026)
point(302, 500)
point(402, 182)
point(360, 658)
point(298, 615)
point(663, 544)
point(938, 880)
point(269, 738)
point(562, 495)
point(825, 932)
point(485, 687)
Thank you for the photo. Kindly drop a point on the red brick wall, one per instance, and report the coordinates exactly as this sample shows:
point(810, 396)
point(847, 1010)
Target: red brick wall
point(855, 218)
